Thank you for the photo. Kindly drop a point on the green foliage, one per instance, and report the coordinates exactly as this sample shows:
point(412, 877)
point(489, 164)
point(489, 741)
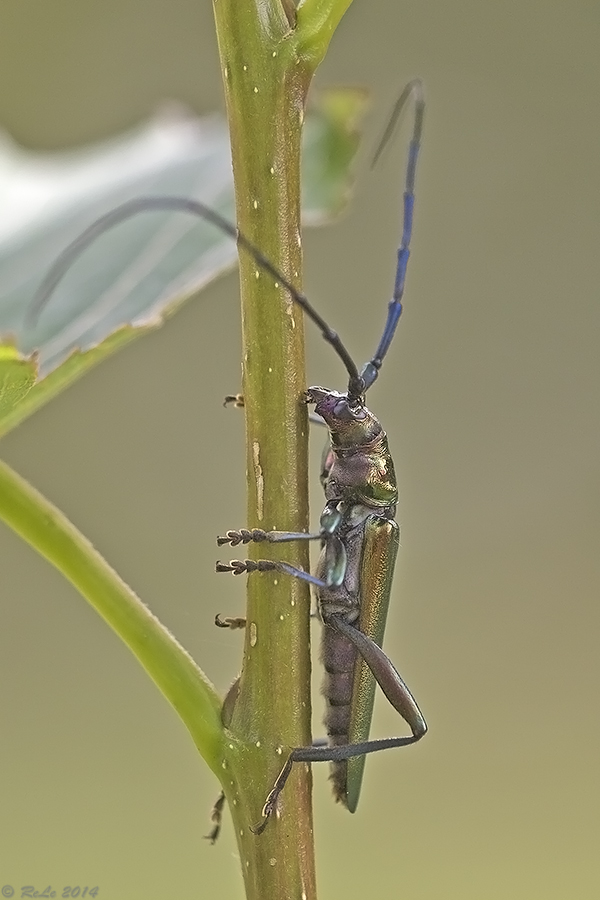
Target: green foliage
point(133, 277)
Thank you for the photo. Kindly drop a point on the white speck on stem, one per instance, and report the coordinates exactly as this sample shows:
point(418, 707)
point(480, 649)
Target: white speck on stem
point(253, 634)
point(260, 481)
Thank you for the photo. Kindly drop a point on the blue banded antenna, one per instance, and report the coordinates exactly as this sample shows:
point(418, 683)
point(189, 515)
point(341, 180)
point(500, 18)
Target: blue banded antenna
point(413, 90)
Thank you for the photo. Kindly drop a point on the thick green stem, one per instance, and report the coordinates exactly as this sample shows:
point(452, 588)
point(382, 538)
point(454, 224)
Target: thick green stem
point(266, 85)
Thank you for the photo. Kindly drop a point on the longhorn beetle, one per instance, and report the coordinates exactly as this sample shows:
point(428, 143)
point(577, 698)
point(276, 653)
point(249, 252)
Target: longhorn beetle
point(357, 530)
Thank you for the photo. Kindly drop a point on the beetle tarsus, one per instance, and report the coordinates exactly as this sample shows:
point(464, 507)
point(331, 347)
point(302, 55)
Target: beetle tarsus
point(271, 801)
point(233, 622)
point(216, 817)
point(236, 400)
point(246, 566)
point(242, 536)
point(236, 566)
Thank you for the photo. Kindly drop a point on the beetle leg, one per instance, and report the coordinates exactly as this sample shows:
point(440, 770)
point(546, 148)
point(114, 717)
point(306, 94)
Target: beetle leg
point(257, 536)
point(385, 674)
point(318, 753)
point(216, 817)
point(232, 622)
point(236, 400)
point(247, 566)
point(394, 689)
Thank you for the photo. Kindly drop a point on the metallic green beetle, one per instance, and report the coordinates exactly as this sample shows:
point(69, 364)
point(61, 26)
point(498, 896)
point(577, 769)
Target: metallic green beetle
point(360, 541)
point(358, 532)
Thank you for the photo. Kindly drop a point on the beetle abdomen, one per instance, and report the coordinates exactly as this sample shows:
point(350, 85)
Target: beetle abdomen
point(339, 659)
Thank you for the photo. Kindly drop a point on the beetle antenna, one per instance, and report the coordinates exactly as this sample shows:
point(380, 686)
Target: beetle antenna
point(196, 208)
point(413, 91)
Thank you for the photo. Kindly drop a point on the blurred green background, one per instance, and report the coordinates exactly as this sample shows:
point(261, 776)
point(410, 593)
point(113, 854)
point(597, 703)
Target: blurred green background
point(490, 399)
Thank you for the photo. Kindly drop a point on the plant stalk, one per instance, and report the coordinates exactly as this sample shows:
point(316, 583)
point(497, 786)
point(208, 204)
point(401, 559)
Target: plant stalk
point(266, 84)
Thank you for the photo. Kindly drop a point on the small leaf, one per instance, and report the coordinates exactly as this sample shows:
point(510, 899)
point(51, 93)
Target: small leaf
point(17, 377)
point(139, 272)
point(331, 139)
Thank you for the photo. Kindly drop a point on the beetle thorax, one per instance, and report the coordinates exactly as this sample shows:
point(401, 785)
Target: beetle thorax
point(359, 468)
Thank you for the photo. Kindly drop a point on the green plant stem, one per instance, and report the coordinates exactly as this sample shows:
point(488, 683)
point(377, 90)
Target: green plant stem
point(49, 532)
point(266, 83)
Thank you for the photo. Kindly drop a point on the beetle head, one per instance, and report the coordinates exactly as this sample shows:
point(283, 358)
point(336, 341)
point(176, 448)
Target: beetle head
point(350, 423)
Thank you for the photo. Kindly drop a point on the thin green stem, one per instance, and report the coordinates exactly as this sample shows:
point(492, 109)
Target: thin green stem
point(184, 685)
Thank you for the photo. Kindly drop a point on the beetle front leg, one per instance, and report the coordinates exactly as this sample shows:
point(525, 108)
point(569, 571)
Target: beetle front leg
point(237, 401)
point(257, 535)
